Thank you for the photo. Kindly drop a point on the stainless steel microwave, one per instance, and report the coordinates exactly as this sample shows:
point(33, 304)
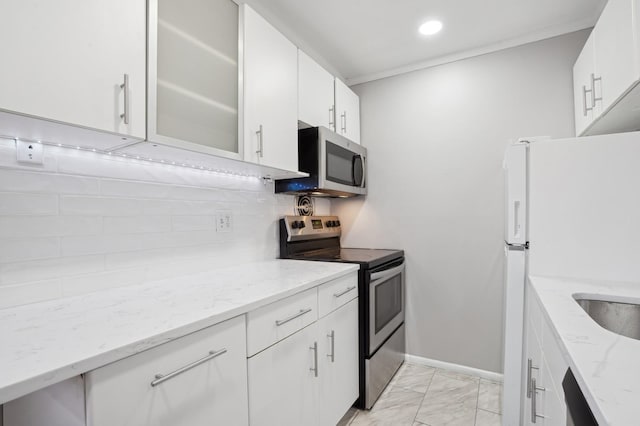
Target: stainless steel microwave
point(336, 165)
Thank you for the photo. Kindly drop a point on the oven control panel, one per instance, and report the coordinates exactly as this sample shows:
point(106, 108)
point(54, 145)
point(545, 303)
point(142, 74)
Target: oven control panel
point(300, 228)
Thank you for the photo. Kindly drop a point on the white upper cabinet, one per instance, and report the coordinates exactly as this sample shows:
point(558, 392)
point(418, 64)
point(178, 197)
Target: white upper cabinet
point(315, 93)
point(76, 62)
point(583, 70)
point(347, 112)
point(193, 75)
point(607, 72)
point(616, 65)
point(270, 94)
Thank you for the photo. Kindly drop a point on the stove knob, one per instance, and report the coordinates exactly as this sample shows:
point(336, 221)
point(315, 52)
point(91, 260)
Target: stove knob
point(334, 223)
point(294, 224)
point(328, 223)
point(301, 224)
point(337, 223)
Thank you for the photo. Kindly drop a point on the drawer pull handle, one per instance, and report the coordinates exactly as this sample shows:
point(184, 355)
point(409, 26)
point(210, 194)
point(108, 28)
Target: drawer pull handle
point(163, 378)
point(342, 293)
point(292, 317)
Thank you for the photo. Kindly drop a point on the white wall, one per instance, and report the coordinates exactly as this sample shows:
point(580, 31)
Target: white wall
point(436, 139)
point(85, 222)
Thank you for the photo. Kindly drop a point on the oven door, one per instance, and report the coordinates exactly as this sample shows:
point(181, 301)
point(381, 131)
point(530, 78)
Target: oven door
point(386, 304)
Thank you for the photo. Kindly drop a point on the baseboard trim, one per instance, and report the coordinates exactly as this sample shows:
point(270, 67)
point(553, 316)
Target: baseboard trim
point(489, 375)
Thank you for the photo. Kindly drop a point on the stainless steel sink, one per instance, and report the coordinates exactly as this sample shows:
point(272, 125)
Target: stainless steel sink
point(620, 318)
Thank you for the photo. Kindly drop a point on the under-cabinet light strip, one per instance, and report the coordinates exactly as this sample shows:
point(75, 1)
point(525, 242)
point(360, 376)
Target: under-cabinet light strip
point(141, 158)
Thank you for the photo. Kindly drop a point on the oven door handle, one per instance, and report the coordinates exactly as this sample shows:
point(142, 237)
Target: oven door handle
point(382, 275)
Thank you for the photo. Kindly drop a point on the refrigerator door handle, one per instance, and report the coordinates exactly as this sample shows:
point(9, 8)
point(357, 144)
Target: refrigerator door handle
point(516, 218)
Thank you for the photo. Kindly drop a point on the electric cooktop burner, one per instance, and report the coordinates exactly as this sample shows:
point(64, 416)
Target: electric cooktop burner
point(318, 238)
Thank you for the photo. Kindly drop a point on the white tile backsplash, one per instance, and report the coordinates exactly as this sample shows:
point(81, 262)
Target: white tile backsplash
point(83, 222)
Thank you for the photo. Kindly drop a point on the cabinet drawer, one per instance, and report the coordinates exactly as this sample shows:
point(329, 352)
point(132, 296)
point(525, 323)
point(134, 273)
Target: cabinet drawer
point(336, 293)
point(274, 322)
point(214, 389)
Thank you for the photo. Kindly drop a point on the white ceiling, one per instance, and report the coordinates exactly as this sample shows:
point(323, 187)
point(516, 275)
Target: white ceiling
point(363, 40)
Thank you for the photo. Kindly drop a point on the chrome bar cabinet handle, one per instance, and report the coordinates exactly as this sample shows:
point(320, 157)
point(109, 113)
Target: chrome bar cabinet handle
point(332, 336)
point(529, 376)
point(585, 109)
point(159, 378)
point(292, 317)
point(332, 118)
point(314, 348)
point(260, 134)
point(343, 122)
point(343, 292)
point(534, 400)
point(595, 99)
point(125, 87)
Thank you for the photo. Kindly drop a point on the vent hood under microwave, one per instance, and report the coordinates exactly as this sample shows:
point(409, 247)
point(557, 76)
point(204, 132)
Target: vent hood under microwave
point(336, 166)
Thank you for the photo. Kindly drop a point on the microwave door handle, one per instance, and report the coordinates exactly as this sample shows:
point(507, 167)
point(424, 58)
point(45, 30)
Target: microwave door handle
point(364, 171)
point(382, 275)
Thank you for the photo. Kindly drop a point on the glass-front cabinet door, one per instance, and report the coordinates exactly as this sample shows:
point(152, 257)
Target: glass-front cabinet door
point(194, 69)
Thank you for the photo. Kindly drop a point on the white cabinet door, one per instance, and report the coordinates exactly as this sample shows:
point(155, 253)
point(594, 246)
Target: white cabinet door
point(66, 60)
point(207, 389)
point(347, 112)
point(193, 106)
point(270, 95)
point(315, 93)
point(339, 384)
point(283, 387)
point(582, 94)
point(615, 43)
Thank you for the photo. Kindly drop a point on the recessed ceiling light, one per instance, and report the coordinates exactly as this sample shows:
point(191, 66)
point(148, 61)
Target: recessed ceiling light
point(430, 27)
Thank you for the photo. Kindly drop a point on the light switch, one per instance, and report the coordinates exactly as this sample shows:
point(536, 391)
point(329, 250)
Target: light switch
point(29, 152)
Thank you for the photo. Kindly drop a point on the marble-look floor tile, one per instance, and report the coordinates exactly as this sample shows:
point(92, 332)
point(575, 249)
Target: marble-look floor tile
point(397, 407)
point(413, 377)
point(490, 396)
point(487, 418)
point(449, 401)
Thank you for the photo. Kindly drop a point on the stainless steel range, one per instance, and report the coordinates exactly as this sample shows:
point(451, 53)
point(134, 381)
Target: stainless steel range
point(381, 295)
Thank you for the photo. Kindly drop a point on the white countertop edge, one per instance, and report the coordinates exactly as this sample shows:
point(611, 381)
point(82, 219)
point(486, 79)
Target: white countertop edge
point(565, 289)
point(16, 389)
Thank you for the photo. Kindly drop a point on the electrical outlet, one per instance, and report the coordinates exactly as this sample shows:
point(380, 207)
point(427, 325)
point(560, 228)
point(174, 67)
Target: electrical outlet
point(29, 152)
point(224, 221)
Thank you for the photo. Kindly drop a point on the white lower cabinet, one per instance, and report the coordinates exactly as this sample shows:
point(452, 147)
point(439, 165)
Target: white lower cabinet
point(205, 382)
point(282, 382)
point(338, 365)
point(309, 378)
point(543, 396)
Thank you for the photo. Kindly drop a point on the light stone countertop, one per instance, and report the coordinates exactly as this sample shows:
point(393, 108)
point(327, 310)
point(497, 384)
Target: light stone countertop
point(606, 365)
point(45, 343)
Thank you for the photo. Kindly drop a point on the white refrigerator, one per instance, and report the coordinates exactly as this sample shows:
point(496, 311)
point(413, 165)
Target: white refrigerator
point(516, 245)
point(572, 209)
point(515, 263)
